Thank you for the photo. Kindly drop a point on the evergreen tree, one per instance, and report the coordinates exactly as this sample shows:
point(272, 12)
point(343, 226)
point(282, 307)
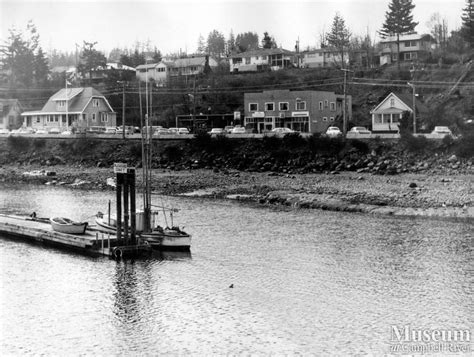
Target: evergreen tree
point(216, 44)
point(41, 68)
point(231, 43)
point(246, 41)
point(91, 59)
point(201, 47)
point(267, 41)
point(398, 21)
point(339, 37)
point(467, 29)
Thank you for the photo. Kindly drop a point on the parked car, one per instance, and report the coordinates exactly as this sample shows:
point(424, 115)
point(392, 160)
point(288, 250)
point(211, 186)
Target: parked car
point(217, 131)
point(4, 131)
point(41, 131)
point(22, 131)
point(66, 132)
point(161, 131)
point(54, 131)
point(238, 130)
point(110, 130)
point(333, 131)
point(173, 130)
point(183, 131)
point(442, 131)
point(282, 130)
point(360, 130)
point(228, 128)
point(128, 129)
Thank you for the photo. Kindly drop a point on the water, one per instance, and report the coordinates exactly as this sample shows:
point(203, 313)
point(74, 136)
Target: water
point(307, 281)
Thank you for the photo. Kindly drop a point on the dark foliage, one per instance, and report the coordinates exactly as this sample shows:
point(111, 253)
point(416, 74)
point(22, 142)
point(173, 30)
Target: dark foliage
point(465, 146)
point(18, 143)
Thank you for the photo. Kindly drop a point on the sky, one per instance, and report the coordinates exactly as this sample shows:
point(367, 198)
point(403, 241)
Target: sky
point(176, 25)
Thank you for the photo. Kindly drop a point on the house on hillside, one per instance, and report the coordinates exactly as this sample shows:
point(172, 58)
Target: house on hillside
point(387, 114)
point(164, 71)
point(10, 114)
point(306, 111)
point(261, 59)
point(413, 47)
point(323, 57)
point(79, 108)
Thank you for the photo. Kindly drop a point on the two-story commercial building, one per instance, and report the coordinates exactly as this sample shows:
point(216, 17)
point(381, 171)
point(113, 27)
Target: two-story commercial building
point(304, 111)
point(412, 47)
point(261, 59)
point(78, 108)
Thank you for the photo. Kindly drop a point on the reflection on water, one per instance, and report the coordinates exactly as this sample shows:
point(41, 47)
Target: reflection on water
point(303, 282)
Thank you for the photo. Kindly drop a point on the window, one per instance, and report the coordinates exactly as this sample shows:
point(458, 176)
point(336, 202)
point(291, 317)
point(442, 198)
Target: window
point(396, 118)
point(325, 118)
point(93, 116)
point(264, 58)
point(392, 102)
point(320, 105)
point(411, 43)
point(104, 118)
point(270, 106)
point(38, 119)
point(331, 119)
point(61, 104)
point(283, 106)
point(300, 105)
point(410, 55)
point(253, 107)
point(247, 60)
point(84, 117)
point(95, 102)
point(326, 103)
point(333, 106)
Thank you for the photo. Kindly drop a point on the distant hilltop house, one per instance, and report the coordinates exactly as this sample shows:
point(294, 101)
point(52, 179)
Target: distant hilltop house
point(387, 114)
point(79, 108)
point(164, 71)
point(412, 47)
point(10, 114)
point(306, 111)
point(323, 57)
point(261, 59)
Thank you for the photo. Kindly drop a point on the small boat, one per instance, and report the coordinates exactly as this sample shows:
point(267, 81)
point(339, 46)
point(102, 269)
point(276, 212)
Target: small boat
point(163, 238)
point(66, 225)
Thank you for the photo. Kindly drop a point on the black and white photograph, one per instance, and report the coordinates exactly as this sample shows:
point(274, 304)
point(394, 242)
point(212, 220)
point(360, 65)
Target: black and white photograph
point(236, 178)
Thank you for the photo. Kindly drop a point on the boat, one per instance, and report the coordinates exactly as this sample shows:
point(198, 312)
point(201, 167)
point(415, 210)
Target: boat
point(66, 225)
point(166, 238)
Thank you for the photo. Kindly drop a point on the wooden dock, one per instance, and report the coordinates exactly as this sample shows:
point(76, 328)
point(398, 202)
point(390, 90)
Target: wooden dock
point(93, 242)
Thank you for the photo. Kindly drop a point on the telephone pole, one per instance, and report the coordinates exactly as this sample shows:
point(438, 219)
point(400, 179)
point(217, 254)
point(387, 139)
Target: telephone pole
point(123, 107)
point(344, 114)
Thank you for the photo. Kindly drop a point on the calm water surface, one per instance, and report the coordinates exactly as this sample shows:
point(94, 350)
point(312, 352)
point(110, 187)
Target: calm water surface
point(309, 282)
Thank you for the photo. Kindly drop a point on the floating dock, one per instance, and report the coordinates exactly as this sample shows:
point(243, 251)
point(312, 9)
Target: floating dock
point(94, 242)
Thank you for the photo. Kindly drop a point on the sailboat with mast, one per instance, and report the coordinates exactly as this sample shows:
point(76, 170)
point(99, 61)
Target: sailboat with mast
point(166, 238)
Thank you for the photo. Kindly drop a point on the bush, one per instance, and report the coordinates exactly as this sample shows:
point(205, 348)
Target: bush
point(360, 145)
point(294, 141)
point(202, 141)
point(413, 143)
point(18, 143)
point(465, 146)
point(324, 144)
point(39, 143)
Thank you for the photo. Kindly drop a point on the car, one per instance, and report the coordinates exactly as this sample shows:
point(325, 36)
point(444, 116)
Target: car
point(173, 131)
point(41, 132)
point(217, 131)
point(183, 131)
point(282, 130)
point(333, 131)
point(228, 128)
point(54, 131)
point(66, 132)
point(360, 130)
point(128, 130)
point(110, 130)
point(23, 130)
point(442, 131)
point(161, 131)
point(238, 130)
point(4, 131)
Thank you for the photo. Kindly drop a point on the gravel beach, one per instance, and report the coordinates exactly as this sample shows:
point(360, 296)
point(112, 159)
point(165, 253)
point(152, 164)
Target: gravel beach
point(408, 194)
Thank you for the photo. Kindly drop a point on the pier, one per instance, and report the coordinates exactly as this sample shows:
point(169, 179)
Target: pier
point(95, 242)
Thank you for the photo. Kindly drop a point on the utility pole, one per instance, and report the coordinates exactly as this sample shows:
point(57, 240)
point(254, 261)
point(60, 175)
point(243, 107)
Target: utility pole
point(123, 107)
point(344, 114)
point(412, 85)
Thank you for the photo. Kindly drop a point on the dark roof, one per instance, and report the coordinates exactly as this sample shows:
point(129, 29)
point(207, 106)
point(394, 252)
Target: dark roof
point(262, 52)
point(408, 100)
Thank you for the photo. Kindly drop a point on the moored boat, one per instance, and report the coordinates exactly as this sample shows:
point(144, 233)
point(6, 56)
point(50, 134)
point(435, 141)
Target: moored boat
point(66, 225)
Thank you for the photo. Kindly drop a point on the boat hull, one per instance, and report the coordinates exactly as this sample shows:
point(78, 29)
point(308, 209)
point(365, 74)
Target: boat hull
point(169, 239)
point(65, 225)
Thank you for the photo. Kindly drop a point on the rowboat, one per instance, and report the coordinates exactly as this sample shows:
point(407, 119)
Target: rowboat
point(66, 225)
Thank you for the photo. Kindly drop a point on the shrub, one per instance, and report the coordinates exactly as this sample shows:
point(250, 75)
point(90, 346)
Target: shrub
point(202, 141)
point(294, 141)
point(360, 145)
point(413, 143)
point(39, 143)
point(324, 144)
point(465, 146)
point(18, 143)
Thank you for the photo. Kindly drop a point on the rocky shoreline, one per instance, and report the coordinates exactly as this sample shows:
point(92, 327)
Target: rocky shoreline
point(444, 195)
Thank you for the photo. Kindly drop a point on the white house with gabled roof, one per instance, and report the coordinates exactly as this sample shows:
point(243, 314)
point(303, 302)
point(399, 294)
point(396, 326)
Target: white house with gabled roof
point(78, 108)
